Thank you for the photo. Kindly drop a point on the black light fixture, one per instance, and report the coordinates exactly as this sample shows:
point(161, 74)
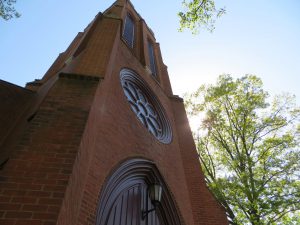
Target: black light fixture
point(155, 192)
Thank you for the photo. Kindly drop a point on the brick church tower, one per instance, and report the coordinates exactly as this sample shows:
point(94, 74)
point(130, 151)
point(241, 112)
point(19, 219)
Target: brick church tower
point(101, 139)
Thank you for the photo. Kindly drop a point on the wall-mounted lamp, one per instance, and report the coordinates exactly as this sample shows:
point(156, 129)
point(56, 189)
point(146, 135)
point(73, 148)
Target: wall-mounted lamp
point(155, 192)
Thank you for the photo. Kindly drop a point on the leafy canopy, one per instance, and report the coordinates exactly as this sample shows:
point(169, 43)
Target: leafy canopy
point(7, 10)
point(199, 13)
point(249, 150)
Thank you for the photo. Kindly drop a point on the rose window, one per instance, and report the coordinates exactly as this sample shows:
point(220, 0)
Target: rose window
point(145, 105)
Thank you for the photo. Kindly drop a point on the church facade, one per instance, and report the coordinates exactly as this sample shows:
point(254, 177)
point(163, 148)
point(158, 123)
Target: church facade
point(101, 139)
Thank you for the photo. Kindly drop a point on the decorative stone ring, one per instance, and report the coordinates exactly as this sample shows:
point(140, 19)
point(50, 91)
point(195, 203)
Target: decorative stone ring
point(145, 105)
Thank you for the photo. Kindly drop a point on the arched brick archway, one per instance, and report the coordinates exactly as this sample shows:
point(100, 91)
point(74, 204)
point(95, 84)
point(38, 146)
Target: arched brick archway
point(124, 197)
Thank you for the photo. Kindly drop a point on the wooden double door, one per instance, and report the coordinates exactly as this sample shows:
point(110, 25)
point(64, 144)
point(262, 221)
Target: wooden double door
point(129, 207)
point(124, 197)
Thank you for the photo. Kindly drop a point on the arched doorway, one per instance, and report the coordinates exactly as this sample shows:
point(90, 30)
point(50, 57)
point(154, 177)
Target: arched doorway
point(125, 197)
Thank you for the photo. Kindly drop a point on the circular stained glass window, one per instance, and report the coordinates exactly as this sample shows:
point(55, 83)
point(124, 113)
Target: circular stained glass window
point(146, 106)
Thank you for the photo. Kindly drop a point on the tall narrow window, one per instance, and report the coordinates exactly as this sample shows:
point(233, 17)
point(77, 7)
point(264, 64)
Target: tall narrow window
point(128, 33)
point(151, 58)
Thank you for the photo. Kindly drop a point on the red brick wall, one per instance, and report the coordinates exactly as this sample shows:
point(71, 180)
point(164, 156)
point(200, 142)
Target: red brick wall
point(118, 135)
point(93, 60)
point(14, 102)
point(121, 135)
point(34, 180)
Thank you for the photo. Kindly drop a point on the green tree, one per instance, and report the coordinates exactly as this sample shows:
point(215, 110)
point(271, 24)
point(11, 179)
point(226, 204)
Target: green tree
point(199, 13)
point(7, 10)
point(249, 150)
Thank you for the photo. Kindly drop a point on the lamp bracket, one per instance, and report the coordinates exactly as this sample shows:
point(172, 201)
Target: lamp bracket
point(145, 213)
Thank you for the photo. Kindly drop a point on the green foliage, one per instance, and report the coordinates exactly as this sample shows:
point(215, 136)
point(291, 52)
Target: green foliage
point(249, 150)
point(7, 10)
point(199, 13)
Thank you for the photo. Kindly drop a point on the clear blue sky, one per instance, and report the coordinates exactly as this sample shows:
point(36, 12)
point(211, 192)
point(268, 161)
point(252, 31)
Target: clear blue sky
point(260, 37)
